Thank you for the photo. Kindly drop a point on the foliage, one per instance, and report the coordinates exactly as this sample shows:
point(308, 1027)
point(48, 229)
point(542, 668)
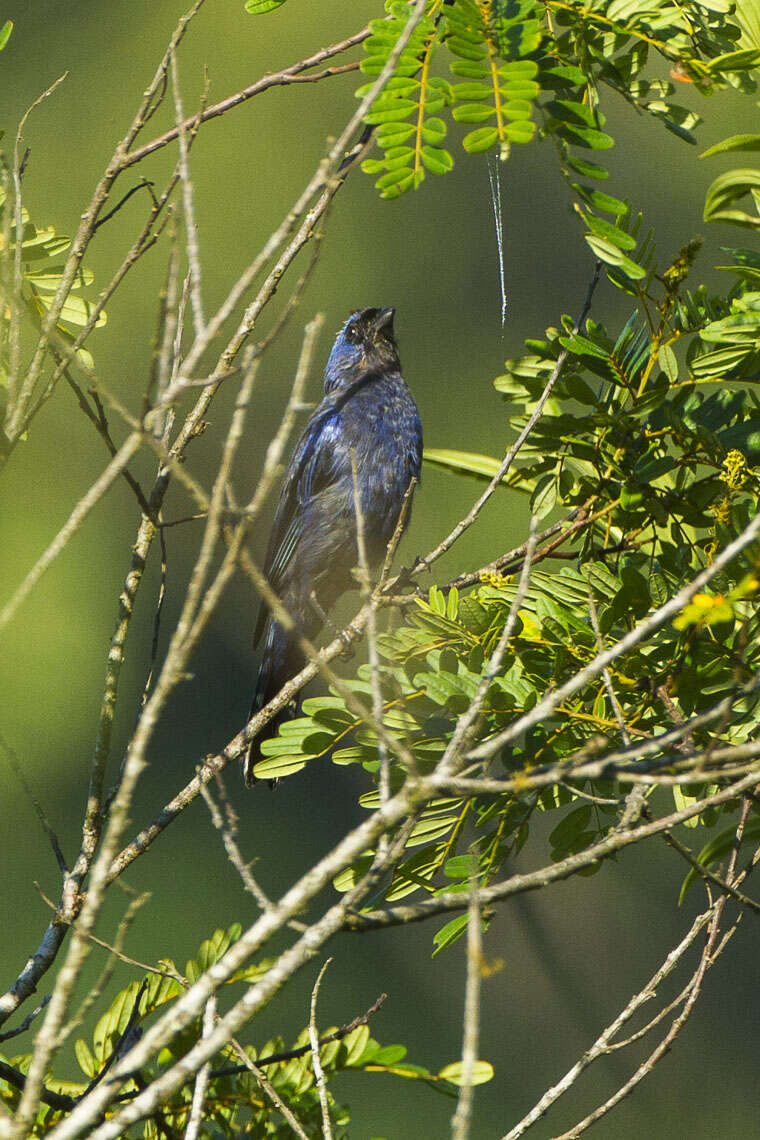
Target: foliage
point(519, 60)
point(650, 442)
point(40, 269)
point(734, 185)
point(234, 1097)
point(655, 432)
point(555, 60)
point(41, 247)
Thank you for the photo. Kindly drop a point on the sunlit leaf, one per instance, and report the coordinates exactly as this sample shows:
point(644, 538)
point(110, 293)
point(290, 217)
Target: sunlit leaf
point(482, 1072)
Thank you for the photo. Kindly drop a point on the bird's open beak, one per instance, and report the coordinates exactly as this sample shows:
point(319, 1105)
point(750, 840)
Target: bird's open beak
point(384, 322)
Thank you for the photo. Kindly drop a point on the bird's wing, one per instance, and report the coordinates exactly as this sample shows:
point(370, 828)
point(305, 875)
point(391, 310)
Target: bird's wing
point(314, 466)
point(318, 461)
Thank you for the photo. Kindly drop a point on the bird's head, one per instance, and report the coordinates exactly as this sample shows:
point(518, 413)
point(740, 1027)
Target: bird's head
point(365, 344)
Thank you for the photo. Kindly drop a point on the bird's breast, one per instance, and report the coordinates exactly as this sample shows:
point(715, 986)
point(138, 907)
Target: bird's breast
point(386, 437)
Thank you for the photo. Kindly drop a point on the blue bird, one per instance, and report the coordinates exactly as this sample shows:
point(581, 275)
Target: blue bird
point(368, 412)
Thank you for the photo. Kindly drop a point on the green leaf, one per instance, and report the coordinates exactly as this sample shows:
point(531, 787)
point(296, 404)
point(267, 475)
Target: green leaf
point(666, 358)
point(569, 828)
point(744, 60)
point(520, 132)
point(582, 346)
point(613, 256)
point(355, 1043)
point(678, 120)
point(112, 1024)
point(389, 1055)
point(727, 189)
point(586, 136)
point(614, 234)
point(599, 200)
point(473, 113)
point(460, 867)
point(482, 1072)
point(5, 33)
point(470, 462)
point(427, 830)
point(49, 276)
point(476, 142)
point(734, 142)
point(211, 950)
point(75, 311)
point(717, 849)
point(433, 130)
point(258, 7)
point(544, 498)
point(570, 74)
point(571, 111)
point(85, 1058)
point(682, 800)
point(475, 91)
point(398, 178)
point(391, 134)
point(588, 169)
point(449, 933)
point(394, 112)
point(276, 767)
point(436, 160)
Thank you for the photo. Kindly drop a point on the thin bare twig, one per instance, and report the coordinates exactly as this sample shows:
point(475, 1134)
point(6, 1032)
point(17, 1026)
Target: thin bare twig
point(466, 723)
point(603, 1044)
point(143, 184)
point(319, 1073)
point(82, 238)
point(22, 1028)
point(710, 876)
point(114, 949)
point(202, 1077)
point(114, 954)
point(18, 771)
point(384, 774)
point(188, 200)
point(268, 1089)
point(59, 1101)
point(227, 829)
point(462, 1118)
point(606, 675)
point(287, 75)
point(452, 901)
point(302, 1050)
point(708, 957)
point(75, 520)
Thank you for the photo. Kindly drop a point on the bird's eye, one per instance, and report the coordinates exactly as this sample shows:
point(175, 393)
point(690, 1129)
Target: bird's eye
point(352, 334)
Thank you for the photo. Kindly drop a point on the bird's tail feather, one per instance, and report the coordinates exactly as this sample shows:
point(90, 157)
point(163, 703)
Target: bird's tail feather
point(282, 659)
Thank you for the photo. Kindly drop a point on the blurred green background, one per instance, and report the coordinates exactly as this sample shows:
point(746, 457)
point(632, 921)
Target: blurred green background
point(571, 957)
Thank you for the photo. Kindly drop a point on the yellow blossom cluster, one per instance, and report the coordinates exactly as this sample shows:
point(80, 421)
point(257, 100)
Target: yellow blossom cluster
point(736, 471)
point(494, 578)
point(721, 511)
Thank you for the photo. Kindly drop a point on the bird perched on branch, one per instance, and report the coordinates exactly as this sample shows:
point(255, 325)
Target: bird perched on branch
point(367, 423)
